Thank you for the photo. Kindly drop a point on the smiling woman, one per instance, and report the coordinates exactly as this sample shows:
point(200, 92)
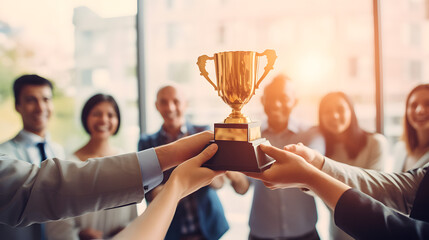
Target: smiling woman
point(101, 120)
point(413, 150)
point(347, 142)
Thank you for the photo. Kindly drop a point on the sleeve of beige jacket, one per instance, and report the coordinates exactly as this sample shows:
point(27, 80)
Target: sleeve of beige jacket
point(61, 189)
point(396, 190)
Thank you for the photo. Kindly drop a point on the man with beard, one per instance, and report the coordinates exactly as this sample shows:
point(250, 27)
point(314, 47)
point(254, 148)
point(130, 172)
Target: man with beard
point(33, 101)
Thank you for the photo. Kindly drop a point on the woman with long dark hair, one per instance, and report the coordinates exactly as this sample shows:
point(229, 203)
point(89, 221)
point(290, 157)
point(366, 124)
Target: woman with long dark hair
point(347, 141)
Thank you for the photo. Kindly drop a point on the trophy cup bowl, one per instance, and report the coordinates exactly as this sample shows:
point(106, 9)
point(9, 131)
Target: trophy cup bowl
point(238, 137)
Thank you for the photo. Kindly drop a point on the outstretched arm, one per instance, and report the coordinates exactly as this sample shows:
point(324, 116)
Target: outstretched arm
point(396, 190)
point(291, 170)
point(185, 179)
point(61, 189)
point(370, 218)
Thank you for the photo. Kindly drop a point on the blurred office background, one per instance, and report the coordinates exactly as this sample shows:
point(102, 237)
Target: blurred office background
point(129, 48)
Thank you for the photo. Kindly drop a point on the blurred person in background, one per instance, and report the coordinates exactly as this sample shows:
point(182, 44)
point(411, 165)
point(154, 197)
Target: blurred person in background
point(347, 142)
point(101, 120)
point(368, 204)
point(199, 215)
point(292, 214)
point(413, 150)
point(33, 144)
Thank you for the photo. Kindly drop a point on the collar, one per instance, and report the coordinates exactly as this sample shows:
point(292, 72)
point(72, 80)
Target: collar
point(30, 138)
point(183, 132)
point(292, 126)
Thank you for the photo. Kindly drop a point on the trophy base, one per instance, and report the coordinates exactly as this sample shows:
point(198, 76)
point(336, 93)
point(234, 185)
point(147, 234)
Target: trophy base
point(240, 156)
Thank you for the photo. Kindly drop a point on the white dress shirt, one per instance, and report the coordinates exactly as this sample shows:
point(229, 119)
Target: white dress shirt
point(24, 147)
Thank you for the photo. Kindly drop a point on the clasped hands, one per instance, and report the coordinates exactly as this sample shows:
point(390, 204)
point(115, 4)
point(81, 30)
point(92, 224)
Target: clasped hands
point(294, 166)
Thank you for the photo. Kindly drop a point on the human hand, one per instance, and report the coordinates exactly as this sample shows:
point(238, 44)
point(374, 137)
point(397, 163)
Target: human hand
point(311, 156)
point(239, 181)
point(190, 176)
point(289, 170)
point(218, 182)
point(174, 153)
point(90, 233)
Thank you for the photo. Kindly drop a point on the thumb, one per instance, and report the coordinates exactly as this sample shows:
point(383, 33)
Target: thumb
point(272, 151)
point(206, 154)
point(290, 148)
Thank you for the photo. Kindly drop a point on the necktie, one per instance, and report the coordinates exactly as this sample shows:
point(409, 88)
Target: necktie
point(41, 147)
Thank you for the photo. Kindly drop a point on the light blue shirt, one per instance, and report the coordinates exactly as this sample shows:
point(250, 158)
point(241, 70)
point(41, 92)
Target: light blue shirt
point(150, 169)
point(24, 147)
point(285, 212)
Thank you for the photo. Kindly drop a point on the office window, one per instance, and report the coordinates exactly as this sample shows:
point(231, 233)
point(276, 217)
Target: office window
point(403, 64)
point(84, 48)
point(415, 69)
point(353, 67)
point(415, 34)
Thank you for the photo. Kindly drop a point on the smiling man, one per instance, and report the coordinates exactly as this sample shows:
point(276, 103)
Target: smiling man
point(199, 215)
point(33, 101)
point(293, 213)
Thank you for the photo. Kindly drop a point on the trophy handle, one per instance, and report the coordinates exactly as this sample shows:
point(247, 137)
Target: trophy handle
point(202, 66)
point(271, 59)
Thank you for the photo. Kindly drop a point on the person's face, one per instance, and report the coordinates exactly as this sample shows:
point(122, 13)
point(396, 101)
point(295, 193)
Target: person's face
point(102, 120)
point(278, 104)
point(171, 105)
point(418, 110)
point(35, 107)
point(336, 115)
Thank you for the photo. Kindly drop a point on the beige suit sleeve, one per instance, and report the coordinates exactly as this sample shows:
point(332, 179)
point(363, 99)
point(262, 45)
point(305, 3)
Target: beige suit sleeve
point(60, 189)
point(396, 190)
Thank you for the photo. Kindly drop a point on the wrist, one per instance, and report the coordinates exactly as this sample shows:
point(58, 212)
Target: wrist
point(318, 161)
point(313, 177)
point(164, 158)
point(173, 189)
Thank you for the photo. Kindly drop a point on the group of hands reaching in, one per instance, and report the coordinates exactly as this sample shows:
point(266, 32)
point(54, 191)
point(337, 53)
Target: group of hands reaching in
point(296, 166)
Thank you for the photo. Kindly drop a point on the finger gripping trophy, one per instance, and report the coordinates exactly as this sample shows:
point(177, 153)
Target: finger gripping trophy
point(238, 137)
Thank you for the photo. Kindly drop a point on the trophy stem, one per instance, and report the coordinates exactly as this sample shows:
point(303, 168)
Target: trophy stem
point(237, 117)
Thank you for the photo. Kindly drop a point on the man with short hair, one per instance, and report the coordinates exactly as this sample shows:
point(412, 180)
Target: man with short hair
point(293, 213)
point(33, 101)
point(199, 215)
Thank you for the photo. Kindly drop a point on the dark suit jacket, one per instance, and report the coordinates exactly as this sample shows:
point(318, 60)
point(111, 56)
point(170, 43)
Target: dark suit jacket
point(210, 213)
point(366, 218)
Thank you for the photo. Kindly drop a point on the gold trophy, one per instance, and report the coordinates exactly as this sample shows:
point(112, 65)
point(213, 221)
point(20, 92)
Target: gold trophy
point(238, 137)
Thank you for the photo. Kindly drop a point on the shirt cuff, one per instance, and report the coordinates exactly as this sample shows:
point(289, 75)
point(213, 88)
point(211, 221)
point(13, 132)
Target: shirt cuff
point(150, 169)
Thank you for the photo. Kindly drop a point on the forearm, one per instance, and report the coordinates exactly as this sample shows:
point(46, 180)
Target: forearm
point(326, 187)
point(61, 189)
point(396, 190)
point(373, 220)
point(154, 222)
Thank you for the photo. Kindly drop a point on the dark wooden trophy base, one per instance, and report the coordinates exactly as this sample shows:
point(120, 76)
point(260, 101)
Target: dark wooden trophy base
point(242, 156)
